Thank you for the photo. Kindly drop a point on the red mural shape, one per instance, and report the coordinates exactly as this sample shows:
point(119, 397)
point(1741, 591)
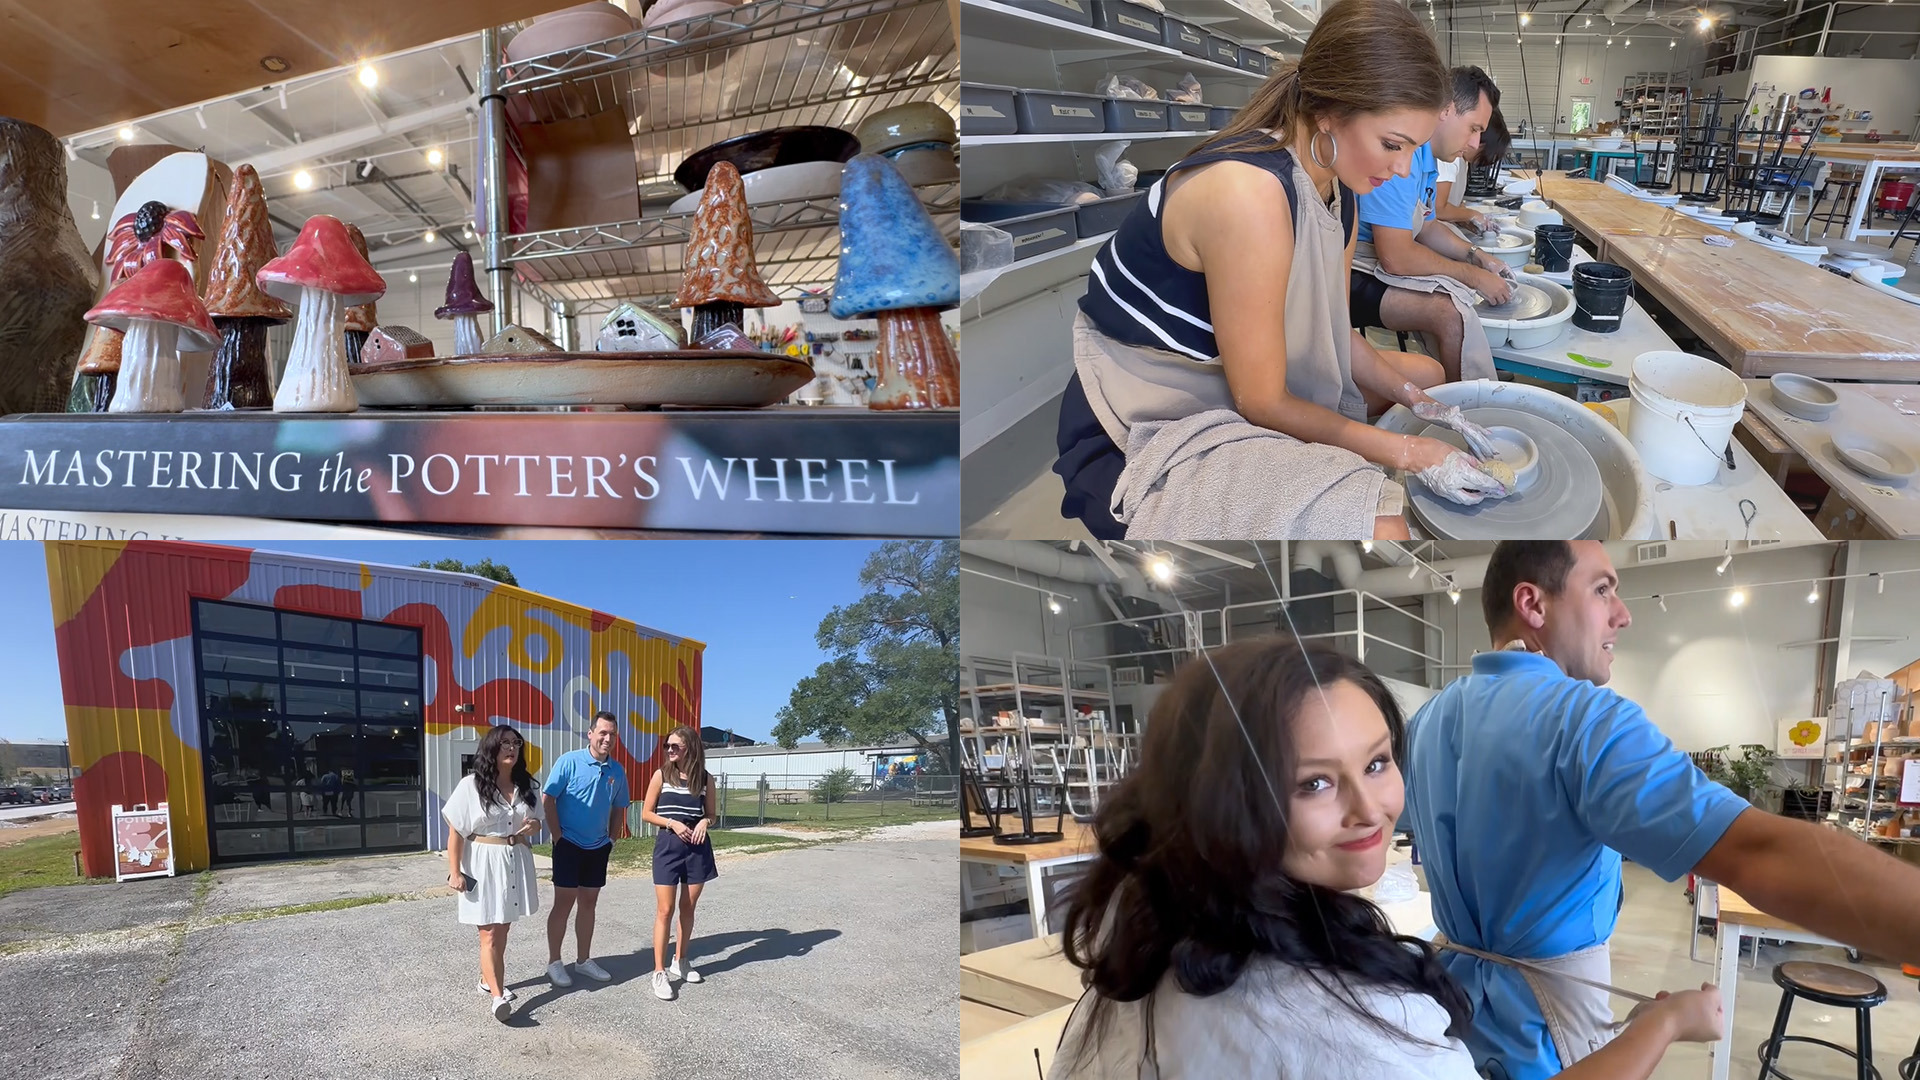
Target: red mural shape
point(91, 643)
point(125, 779)
point(516, 699)
point(681, 699)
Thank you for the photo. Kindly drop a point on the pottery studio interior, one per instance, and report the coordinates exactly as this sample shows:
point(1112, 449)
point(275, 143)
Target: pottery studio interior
point(671, 226)
point(1727, 192)
point(1787, 672)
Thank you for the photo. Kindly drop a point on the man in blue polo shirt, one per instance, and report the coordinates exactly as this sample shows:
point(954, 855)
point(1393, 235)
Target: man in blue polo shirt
point(587, 799)
point(1399, 230)
point(1526, 783)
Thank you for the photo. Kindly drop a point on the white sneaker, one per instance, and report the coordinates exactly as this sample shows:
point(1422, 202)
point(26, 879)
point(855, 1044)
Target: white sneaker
point(482, 989)
point(502, 1009)
point(662, 988)
point(557, 975)
point(683, 974)
point(593, 971)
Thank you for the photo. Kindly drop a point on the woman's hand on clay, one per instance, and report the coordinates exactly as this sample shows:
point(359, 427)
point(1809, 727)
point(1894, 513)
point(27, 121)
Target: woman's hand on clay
point(1461, 479)
point(1450, 416)
point(1696, 1015)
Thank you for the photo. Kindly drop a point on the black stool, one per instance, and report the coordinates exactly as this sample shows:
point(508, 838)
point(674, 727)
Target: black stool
point(1910, 1068)
point(1828, 984)
point(1845, 189)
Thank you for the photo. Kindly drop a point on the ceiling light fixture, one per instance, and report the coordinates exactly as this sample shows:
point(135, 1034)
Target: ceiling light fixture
point(1366, 546)
point(412, 276)
point(466, 231)
point(369, 76)
point(366, 168)
point(428, 236)
point(96, 209)
point(1725, 561)
point(1627, 42)
point(283, 97)
point(303, 180)
point(1813, 595)
point(1053, 604)
point(1162, 568)
point(200, 114)
point(1662, 600)
point(435, 157)
point(1589, 21)
point(1880, 584)
point(1525, 18)
point(1609, 43)
point(1706, 22)
point(1453, 594)
point(1671, 44)
point(126, 134)
point(1413, 571)
point(1738, 599)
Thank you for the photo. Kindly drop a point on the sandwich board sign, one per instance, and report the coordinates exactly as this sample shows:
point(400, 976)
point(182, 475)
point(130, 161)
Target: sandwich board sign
point(142, 842)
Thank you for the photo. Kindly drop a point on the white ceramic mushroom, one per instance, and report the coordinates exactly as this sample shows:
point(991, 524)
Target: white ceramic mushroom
point(326, 276)
point(158, 312)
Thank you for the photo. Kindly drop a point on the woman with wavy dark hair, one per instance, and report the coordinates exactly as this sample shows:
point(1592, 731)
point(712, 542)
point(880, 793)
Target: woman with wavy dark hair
point(491, 818)
point(1218, 928)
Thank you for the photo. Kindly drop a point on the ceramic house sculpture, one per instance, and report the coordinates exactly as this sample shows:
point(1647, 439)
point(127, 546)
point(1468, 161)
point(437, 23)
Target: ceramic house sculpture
point(238, 378)
point(160, 316)
point(895, 266)
point(325, 275)
point(632, 328)
point(47, 278)
point(361, 318)
point(464, 306)
point(137, 239)
point(517, 340)
point(720, 279)
point(385, 344)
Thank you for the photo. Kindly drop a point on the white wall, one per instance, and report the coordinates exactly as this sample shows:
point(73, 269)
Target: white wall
point(782, 767)
point(1890, 88)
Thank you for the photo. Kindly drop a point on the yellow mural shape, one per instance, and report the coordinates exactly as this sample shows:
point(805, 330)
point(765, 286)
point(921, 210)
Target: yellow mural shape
point(97, 732)
point(515, 610)
point(73, 578)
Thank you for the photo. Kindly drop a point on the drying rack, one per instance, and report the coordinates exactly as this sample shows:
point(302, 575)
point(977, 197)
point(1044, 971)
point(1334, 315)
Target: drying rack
point(1855, 812)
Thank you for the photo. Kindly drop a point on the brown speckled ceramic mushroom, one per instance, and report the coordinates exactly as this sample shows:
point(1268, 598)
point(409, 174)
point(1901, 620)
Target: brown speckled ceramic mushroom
point(361, 318)
point(238, 378)
point(160, 315)
point(324, 273)
point(464, 306)
point(720, 279)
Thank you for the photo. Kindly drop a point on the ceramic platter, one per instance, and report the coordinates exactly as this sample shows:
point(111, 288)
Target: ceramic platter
point(1560, 500)
point(701, 379)
point(1873, 457)
point(1527, 302)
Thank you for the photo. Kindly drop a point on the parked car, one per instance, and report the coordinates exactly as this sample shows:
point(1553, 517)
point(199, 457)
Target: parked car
point(63, 793)
point(41, 795)
point(10, 795)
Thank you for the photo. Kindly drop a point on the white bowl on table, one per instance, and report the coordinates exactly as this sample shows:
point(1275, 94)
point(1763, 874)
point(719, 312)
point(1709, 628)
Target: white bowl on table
point(1536, 213)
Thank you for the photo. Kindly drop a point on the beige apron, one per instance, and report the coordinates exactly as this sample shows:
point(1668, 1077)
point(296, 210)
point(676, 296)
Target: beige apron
point(1476, 356)
point(1579, 1018)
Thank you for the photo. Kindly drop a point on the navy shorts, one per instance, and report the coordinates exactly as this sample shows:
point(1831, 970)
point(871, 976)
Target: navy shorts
point(575, 867)
point(676, 862)
point(1363, 301)
point(1089, 464)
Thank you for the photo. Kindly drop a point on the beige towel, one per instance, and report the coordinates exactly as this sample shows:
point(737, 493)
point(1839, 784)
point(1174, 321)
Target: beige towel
point(1476, 356)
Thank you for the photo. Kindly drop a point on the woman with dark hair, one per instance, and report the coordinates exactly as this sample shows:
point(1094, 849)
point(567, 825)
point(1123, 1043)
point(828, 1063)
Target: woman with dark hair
point(1214, 335)
point(491, 818)
point(680, 800)
point(1218, 928)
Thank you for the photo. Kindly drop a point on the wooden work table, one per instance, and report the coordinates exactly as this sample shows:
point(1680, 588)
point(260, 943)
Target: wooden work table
point(1075, 840)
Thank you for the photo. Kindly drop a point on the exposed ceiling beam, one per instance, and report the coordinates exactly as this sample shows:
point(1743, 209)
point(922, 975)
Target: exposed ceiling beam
point(339, 142)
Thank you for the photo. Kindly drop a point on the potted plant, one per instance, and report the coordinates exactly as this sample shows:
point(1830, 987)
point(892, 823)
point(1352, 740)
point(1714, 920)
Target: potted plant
point(1747, 774)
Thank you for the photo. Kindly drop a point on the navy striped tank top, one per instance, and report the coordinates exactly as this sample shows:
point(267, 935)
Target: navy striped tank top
point(1140, 296)
point(679, 804)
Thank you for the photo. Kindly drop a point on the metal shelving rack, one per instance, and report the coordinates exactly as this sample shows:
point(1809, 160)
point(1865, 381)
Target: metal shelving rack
point(1084, 755)
point(1855, 812)
point(1654, 104)
point(767, 64)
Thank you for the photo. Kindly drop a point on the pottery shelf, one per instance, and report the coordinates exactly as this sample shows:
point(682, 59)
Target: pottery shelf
point(1074, 44)
point(1028, 277)
point(594, 267)
point(968, 142)
point(1230, 18)
point(775, 63)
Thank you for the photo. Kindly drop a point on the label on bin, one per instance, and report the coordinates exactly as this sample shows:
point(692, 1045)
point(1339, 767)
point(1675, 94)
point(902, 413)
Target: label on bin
point(1070, 5)
point(1192, 37)
point(1194, 117)
point(1137, 24)
point(981, 110)
point(1034, 238)
point(1073, 110)
point(1147, 114)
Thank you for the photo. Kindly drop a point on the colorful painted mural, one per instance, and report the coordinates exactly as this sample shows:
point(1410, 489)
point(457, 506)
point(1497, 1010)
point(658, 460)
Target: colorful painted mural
point(123, 627)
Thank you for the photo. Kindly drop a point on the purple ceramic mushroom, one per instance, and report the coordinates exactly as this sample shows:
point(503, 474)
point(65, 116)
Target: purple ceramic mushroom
point(464, 306)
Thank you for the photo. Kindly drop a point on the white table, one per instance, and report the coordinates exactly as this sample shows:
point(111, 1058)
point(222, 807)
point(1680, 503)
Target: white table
point(1741, 921)
point(1076, 845)
point(1884, 410)
point(1638, 334)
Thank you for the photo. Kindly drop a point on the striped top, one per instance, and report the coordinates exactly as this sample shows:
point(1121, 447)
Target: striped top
point(679, 804)
point(1140, 296)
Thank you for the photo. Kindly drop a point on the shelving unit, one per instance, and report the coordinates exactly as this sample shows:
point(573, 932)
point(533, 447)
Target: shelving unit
point(1858, 797)
point(1011, 732)
point(1654, 104)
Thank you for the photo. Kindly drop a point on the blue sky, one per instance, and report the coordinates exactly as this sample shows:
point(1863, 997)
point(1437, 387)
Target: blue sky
point(756, 603)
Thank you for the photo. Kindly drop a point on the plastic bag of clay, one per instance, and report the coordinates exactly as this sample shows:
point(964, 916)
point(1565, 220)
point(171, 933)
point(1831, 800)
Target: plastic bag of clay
point(1052, 192)
point(983, 247)
point(1126, 88)
point(1117, 177)
point(1187, 93)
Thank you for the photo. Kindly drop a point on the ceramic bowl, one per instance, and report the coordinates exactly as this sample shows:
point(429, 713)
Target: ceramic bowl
point(569, 29)
point(782, 183)
point(1871, 280)
point(1520, 187)
point(905, 125)
point(1516, 250)
point(1804, 397)
point(669, 19)
point(932, 165)
point(1517, 449)
point(768, 149)
point(1874, 457)
point(889, 41)
point(1535, 214)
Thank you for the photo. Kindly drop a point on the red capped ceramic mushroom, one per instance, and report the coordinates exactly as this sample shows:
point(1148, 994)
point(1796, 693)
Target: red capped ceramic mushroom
point(325, 275)
point(158, 312)
point(464, 306)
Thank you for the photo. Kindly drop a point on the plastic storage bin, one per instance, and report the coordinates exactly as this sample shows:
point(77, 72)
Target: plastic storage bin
point(1125, 115)
point(1223, 50)
point(987, 110)
point(1188, 39)
point(1219, 117)
point(1036, 228)
point(1106, 215)
point(1048, 112)
point(1255, 61)
point(1073, 11)
point(1189, 118)
point(1128, 20)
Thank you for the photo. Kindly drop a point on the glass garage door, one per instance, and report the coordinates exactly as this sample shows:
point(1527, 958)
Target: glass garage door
point(311, 730)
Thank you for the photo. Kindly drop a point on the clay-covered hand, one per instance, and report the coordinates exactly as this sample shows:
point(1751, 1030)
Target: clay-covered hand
point(1450, 416)
point(1462, 480)
point(1495, 287)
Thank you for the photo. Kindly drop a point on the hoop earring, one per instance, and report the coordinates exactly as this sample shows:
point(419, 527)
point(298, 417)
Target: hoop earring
point(1313, 149)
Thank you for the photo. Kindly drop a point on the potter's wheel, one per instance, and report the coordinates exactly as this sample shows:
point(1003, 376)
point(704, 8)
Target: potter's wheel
point(1558, 496)
point(1502, 241)
point(1527, 302)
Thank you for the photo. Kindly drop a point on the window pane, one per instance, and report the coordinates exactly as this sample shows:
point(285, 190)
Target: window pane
point(241, 697)
point(245, 802)
point(394, 639)
point(326, 838)
point(387, 671)
point(322, 754)
point(239, 658)
point(320, 701)
point(397, 834)
point(249, 843)
point(393, 803)
point(235, 619)
point(313, 630)
point(378, 705)
point(319, 666)
point(241, 751)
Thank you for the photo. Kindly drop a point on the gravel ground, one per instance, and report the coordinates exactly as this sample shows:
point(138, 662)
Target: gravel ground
point(830, 961)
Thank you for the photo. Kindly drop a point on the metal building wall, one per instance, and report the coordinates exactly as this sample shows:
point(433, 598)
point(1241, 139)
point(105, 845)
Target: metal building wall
point(122, 622)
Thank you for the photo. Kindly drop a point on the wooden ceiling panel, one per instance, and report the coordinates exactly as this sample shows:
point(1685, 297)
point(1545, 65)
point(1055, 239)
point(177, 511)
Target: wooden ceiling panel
point(74, 65)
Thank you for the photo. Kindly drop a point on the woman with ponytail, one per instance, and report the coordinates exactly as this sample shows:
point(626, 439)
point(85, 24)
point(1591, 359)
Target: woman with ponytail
point(1218, 928)
point(1225, 294)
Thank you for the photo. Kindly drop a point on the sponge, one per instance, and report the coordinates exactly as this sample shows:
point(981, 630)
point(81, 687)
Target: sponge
point(1500, 471)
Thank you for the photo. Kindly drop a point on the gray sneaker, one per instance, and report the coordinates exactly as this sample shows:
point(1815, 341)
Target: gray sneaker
point(502, 1009)
point(662, 986)
point(557, 975)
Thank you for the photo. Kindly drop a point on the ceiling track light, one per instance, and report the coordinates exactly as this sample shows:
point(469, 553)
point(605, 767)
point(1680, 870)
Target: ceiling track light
point(200, 114)
point(1366, 546)
point(1661, 600)
point(1880, 583)
point(1738, 599)
point(1053, 604)
point(1725, 561)
point(96, 209)
point(1813, 595)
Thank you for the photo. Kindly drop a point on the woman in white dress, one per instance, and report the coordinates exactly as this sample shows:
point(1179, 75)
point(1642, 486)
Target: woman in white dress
point(491, 819)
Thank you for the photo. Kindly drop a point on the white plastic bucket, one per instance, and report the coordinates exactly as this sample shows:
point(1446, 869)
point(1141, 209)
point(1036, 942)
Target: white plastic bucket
point(1684, 410)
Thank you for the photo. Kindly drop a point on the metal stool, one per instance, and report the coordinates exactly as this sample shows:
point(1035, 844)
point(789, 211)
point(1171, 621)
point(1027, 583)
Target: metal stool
point(1910, 1068)
point(1848, 189)
point(1828, 984)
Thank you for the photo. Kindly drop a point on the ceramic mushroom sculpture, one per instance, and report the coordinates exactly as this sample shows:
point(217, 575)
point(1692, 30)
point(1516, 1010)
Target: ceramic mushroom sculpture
point(720, 279)
point(464, 306)
point(238, 378)
point(361, 318)
point(159, 315)
point(134, 241)
point(47, 279)
point(895, 266)
point(325, 275)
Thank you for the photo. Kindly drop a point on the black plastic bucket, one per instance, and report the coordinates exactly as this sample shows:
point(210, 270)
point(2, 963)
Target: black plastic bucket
point(1600, 292)
point(1553, 247)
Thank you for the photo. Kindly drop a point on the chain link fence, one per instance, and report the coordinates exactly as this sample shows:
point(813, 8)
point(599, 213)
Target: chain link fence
point(835, 800)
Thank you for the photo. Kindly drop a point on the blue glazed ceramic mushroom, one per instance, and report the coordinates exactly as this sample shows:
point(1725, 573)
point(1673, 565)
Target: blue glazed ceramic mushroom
point(896, 267)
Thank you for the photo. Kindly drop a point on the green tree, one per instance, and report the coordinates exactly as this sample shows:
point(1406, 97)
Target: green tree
point(894, 658)
point(485, 568)
point(833, 786)
point(9, 761)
